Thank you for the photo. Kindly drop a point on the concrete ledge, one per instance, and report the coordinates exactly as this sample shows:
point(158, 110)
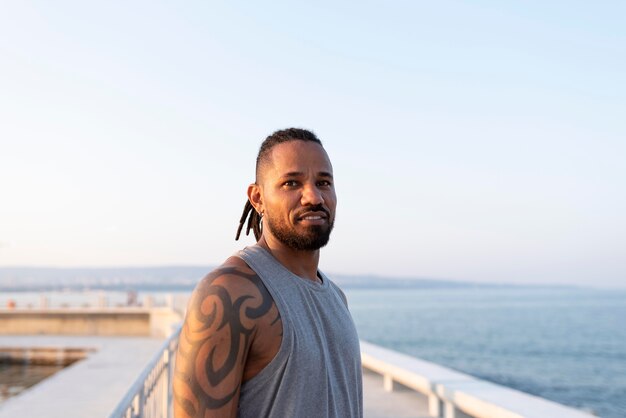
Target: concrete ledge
point(75, 322)
point(452, 394)
point(89, 321)
point(43, 355)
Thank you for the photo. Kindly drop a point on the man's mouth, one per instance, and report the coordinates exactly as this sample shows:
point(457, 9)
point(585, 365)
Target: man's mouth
point(313, 216)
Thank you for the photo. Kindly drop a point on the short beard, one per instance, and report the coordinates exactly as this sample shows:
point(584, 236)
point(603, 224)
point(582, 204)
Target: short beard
point(316, 237)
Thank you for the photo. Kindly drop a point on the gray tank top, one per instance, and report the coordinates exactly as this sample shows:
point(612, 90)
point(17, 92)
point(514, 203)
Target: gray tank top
point(317, 370)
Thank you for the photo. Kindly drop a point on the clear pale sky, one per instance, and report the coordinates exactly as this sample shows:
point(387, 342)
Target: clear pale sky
point(481, 140)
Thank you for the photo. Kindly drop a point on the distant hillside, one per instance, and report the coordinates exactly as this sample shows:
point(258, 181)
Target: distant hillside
point(370, 281)
point(44, 278)
point(169, 277)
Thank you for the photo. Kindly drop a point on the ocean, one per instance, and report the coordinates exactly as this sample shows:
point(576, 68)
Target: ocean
point(16, 378)
point(563, 344)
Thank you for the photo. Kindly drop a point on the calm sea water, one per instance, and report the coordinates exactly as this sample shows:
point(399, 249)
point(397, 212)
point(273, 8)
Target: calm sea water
point(16, 378)
point(567, 345)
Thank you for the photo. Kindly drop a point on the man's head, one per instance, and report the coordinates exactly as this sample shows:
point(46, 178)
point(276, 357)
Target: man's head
point(294, 192)
point(280, 137)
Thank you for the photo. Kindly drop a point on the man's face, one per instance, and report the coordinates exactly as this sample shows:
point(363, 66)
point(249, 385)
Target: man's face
point(298, 195)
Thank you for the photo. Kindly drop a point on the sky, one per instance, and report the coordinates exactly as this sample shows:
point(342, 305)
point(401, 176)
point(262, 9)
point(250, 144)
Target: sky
point(478, 141)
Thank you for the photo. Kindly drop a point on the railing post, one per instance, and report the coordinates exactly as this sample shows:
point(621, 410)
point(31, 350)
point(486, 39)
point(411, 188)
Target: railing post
point(388, 383)
point(102, 300)
point(137, 405)
point(140, 409)
point(172, 347)
point(449, 410)
point(166, 382)
point(434, 405)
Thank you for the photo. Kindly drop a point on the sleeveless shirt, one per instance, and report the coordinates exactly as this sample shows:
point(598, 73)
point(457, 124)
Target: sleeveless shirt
point(317, 370)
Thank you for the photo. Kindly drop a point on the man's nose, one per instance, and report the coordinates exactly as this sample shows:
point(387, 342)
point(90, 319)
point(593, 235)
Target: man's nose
point(311, 195)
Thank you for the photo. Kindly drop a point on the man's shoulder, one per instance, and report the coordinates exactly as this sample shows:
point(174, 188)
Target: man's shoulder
point(233, 276)
point(337, 290)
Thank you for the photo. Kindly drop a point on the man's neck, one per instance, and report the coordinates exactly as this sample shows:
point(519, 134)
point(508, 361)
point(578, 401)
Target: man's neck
point(301, 263)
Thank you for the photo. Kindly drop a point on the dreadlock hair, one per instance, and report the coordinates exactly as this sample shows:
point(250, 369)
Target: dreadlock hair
point(278, 137)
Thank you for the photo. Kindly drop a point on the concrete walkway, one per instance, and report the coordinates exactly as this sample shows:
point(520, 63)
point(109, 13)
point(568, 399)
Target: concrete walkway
point(88, 388)
point(94, 386)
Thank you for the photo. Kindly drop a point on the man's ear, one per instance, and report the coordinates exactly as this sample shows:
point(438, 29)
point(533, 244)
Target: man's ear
point(255, 197)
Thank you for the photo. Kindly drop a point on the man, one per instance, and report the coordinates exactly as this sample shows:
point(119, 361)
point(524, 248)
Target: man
point(267, 334)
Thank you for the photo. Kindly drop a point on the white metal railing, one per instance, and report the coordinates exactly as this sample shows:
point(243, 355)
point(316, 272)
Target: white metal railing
point(151, 394)
point(452, 394)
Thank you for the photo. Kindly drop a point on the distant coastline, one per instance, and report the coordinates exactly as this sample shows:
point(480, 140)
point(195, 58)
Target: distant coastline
point(184, 278)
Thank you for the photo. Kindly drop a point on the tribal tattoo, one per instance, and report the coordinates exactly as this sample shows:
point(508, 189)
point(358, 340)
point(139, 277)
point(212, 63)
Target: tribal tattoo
point(222, 317)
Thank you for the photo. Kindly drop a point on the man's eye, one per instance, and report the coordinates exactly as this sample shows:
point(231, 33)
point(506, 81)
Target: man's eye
point(290, 183)
point(324, 183)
